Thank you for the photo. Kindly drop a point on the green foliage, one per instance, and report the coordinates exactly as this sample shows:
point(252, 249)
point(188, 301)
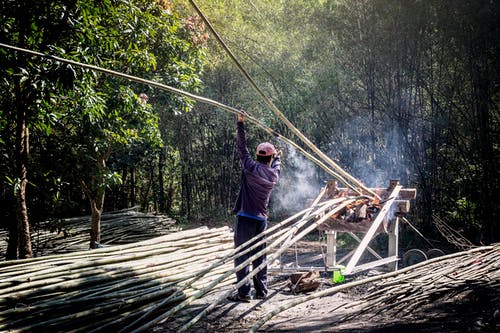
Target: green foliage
point(465, 213)
point(84, 120)
point(388, 90)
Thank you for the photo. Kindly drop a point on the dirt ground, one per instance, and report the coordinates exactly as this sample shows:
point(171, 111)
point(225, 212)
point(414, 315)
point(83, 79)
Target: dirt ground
point(321, 314)
point(314, 316)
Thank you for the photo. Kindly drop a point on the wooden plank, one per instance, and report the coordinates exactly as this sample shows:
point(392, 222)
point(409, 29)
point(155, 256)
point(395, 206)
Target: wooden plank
point(372, 251)
point(393, 241)
point(373, 264)
point(331, 248)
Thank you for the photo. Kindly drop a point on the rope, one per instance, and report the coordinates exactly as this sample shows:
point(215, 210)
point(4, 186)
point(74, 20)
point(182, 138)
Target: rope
point(205, 100)
point(416, 230)
point(278, 113)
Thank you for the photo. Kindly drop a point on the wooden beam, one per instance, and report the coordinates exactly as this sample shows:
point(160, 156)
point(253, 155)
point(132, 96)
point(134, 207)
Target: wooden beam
point(375, 263)
point(393, 241)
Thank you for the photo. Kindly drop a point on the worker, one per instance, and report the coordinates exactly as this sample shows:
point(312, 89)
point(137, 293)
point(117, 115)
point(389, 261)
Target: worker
point(257, 182)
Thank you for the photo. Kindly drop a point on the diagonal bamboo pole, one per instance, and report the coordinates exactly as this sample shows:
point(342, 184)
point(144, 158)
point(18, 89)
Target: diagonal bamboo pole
point(278, 113)
point(218, 105)
point(373, 228)
point(210, 286)
point(272, 258)
point(243, 249)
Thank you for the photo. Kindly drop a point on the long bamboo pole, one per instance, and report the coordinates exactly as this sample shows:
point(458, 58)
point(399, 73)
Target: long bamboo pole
point(147, 285)
point(245, 248)
point(210, 286)
point(107, 251)
point(278, 113)
point(218, 105)
point(273, 257)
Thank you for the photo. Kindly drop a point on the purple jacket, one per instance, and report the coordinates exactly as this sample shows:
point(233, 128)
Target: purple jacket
point(257, 183)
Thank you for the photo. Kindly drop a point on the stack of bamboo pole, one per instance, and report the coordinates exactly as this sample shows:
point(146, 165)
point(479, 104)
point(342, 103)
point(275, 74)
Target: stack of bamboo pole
point(397, 294)
point(118, 227)
point(405, 294)
point(134, 287)
point(279, 238)
point(109, 288)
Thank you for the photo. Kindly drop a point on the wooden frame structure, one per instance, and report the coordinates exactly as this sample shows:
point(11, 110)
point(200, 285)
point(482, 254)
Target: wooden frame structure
point(394, 203)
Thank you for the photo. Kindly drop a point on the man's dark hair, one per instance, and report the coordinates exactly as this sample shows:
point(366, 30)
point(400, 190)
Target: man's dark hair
point(264, 159)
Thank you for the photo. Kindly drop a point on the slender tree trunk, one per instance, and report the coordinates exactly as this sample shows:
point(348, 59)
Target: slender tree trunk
point(147, 190)
point(123, 190)
point(132, 186)
point(22, 155)
point(186, 193)
point(161, 185)
point(488, 211)
point(96, 205)
point(96, 200)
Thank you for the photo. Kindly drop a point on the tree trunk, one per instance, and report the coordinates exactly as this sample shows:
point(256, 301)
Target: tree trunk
point(132, 186)
point(96, 205)
point(487, 210)
point(22, 155)
point(161, 186)
point(96, 200)
point(145, 194)
point(124, 190)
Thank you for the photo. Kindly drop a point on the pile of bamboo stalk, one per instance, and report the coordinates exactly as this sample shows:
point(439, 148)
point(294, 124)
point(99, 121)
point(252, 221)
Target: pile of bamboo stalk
point(278, 238)
point(134, 287)
point(405, 294)
point(108, 289)
point(117, 227)
point(398, 294)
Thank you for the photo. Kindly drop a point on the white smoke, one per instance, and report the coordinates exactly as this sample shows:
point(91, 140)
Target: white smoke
point(298, 183)
point(373, 161)
point(374, 164)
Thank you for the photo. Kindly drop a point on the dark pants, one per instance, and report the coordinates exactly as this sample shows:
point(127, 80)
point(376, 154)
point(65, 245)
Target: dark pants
point(246, 228)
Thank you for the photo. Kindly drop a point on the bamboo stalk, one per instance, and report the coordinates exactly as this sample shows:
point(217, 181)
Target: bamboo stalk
point(280, 115)
point(106, 251)
point(162, 270)
point(210, 286)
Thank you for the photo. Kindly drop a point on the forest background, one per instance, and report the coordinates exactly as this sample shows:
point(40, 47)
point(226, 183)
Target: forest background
point(404, 90)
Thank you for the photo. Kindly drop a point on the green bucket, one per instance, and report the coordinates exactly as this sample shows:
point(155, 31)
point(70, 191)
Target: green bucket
point(338, 274)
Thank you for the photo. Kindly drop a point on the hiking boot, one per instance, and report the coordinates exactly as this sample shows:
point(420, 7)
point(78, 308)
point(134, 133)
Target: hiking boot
point(239, 298)
point(259, 296)
point(95, 245)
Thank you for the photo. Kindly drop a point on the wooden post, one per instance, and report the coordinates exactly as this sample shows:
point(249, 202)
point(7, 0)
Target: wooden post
point(331, 248)
point(393, 243)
